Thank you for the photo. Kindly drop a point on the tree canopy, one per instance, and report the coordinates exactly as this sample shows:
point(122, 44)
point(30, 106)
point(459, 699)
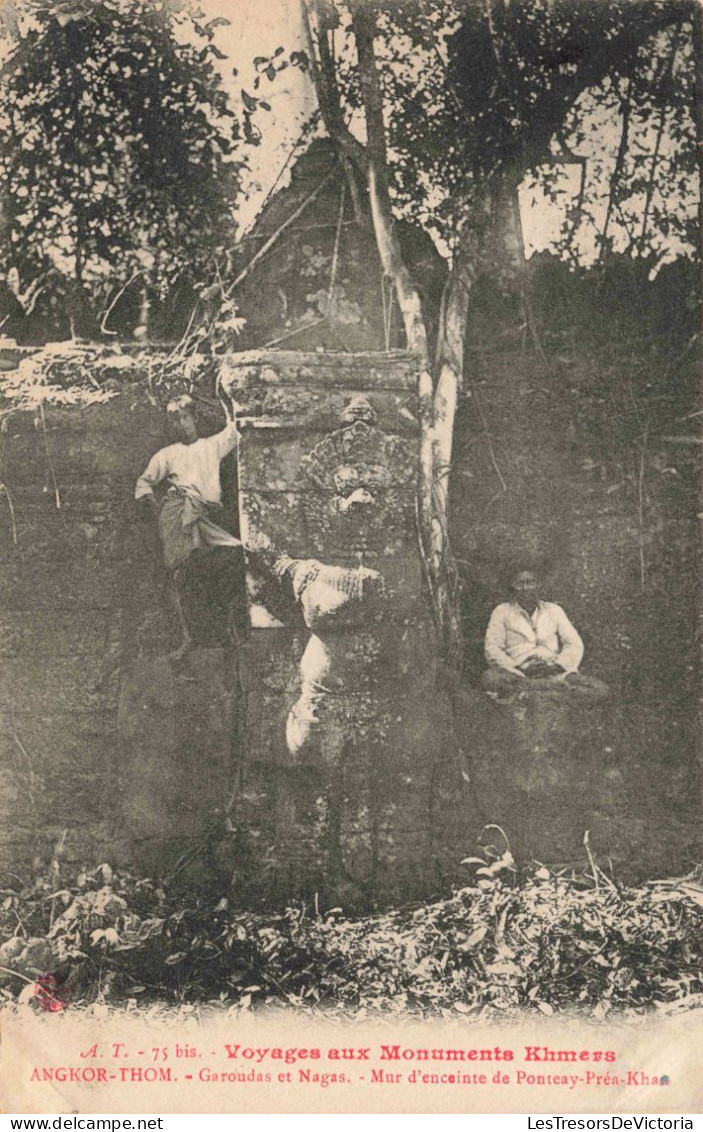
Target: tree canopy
point(592, 102)
point(117, 145)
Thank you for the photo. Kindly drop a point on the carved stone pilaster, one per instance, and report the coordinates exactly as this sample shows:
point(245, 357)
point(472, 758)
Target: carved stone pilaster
point(350, 778)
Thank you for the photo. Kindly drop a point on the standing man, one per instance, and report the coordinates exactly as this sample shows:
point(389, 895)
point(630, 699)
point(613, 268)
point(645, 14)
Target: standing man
point(529, 639)
point(187, 513)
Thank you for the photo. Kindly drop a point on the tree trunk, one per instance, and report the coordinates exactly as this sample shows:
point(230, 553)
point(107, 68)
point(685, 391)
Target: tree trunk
point(490, 241)
point(502, 254)
point(450, 373)
point(698, 56)
point(81, 317)
point(617, 173)
point(431, 531)
point(384, 226)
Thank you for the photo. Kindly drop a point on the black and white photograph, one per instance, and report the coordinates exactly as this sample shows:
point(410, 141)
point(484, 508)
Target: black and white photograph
point(350, 556)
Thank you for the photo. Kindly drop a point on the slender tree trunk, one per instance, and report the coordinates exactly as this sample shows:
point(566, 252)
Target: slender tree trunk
point(656, 154)
point(394, 267)
point(381, 211)
point(617, 174)
point(322, 69)
point(82, 321)
point(432, 531)
point(450, 366)
point(639, 244)
point(81, 317)
point(698, 56)
point(450, 371)
point(503, 251)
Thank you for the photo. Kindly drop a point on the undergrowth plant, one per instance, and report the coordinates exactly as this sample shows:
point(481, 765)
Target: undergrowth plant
point(506, 943)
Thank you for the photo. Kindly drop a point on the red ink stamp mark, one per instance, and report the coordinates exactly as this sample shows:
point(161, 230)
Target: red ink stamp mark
point(48, 996)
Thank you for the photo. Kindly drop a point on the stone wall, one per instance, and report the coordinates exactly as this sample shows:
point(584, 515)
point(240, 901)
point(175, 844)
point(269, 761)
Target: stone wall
point(111, 750)
point(350, 783)
point(64, 590)
point(567, 468)
point(102, 745)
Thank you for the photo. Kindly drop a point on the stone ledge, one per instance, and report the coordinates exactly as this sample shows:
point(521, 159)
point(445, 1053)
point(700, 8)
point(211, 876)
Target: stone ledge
point(393, 371)
point(321, 357)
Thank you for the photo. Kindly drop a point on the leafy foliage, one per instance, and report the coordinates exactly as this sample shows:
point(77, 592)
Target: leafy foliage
point(64, 373)
point(117, 145)
point(499, 946)
point(480, 95)
point(76, 373)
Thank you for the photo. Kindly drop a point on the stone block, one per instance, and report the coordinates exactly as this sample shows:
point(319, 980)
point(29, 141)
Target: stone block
point(254, 368)
point(177, 729)
point(270, 660)
point(59, 683)
point(347, 769)
point(50, 632)
point(310, 406)
point(276, 514)
point(273, 459)
point(82, 444)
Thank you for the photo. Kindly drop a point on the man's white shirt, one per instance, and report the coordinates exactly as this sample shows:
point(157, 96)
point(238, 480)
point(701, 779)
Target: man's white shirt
point(513, 635)
point(194, 468)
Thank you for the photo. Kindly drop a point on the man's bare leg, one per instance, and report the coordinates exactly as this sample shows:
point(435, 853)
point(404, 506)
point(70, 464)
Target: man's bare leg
point(186, 639)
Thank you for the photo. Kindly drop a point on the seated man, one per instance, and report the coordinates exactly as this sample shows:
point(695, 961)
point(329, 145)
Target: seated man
point(528, 639)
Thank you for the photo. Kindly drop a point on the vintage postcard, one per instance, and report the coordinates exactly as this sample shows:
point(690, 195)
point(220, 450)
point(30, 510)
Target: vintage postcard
point(349, 555)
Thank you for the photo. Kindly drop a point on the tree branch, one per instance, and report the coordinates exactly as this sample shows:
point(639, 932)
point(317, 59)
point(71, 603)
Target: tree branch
point(363, 23)
point(649, 196)
point(325, 82)
point(279, 232)
point(616, 175)
point(549, 111)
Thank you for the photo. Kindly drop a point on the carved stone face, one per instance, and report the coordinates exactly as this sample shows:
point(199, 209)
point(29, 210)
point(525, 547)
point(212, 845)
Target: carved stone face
point(357, 487)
